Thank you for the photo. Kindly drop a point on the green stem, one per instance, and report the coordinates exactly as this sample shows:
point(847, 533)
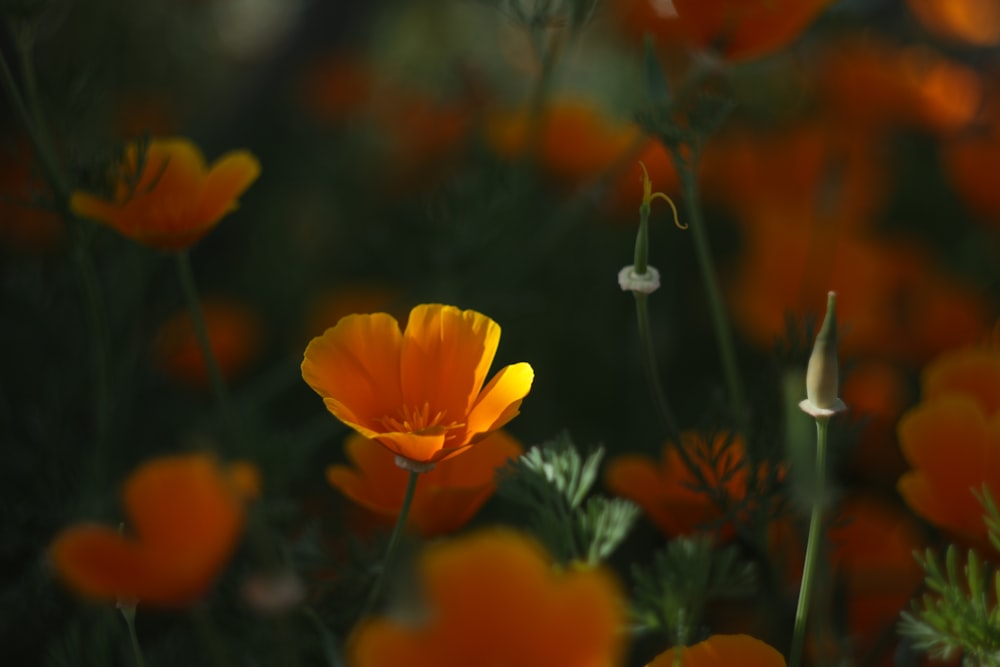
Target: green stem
point(688, 174)
point(219, 389)
point(649, 368)
point(129, 614)
point(812, 544)
point(404, 512)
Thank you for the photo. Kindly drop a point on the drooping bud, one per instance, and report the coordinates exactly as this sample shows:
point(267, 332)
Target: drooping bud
point(822, 374)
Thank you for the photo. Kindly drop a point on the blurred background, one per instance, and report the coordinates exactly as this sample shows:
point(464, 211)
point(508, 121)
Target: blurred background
point(484, 154)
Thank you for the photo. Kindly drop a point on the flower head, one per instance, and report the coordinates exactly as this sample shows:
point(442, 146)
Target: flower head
point(418, 392)
point(952, 441)
point(722, 651)
point(670, 494)
point(165, 196)
point(495, 595)
point(446, 497)
point(187, 513)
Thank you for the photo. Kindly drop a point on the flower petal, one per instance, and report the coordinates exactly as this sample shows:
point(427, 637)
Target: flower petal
point(229, 177)
point(446, 355)
point(99, 563)
point(500, 400)
point(973, 372)
point(88, 206)
point(356, 364)
point(721, 651)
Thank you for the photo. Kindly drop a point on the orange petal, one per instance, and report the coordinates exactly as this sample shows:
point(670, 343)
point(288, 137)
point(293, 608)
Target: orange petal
point(172, 171)
point(88, 206)
point(229, 177)
point(634, 477)
point(446, 355)
point(419, 448)
point(974, 372)
point(497, 589)
point(721, 651)
point(99, 563)
point(356, 363)
point(500, 400)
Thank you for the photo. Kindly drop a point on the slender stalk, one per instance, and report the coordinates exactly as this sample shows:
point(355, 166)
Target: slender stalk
point(687, 171)
point(649, 369)
point(186, 276)
point(812, 544)
point(404, 512)
point(129, 614)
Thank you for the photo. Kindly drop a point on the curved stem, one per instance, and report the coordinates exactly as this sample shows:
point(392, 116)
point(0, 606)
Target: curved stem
point(404, 512)
point(687, 171)
point(812, 544)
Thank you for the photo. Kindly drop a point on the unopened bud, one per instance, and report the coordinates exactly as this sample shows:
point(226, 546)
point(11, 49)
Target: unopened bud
point(822, 375)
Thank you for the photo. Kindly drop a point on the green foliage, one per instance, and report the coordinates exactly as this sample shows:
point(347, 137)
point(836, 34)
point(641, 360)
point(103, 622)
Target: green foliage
point(553, 481)
point(670, 595)
point(959, 616)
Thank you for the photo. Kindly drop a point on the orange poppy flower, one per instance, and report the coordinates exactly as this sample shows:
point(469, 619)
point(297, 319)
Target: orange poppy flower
point(420, 392)
point(233, 334)
point(446, 497)
point(722, 651)
point(187, 513)
point(952, 441)
point(669, 493)
point(493, 597)
point(171, 199)
point(737, 29)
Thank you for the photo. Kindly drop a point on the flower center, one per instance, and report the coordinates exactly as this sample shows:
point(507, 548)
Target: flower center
point(419, 420)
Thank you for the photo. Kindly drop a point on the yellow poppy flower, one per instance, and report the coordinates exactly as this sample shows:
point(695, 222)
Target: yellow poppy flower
point(419, 392)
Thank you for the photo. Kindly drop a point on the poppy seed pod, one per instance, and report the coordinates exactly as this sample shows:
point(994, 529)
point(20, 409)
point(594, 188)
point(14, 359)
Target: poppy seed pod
point(822, 376)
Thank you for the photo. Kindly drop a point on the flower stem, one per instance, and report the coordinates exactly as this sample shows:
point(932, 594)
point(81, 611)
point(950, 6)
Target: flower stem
point(687, 171)
point(649, 368)
point(219, 389)
point(812, 544)
point(129, 614)
point(404, 511)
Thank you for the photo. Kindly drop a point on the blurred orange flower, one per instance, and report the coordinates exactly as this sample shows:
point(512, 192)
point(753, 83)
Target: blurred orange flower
point(973, 22)
point(187, 514)
point(26, 225)
point(671, 495)
point(722, 651)
point(497, 592)
point(234, 334)
point(737, 29)
point(951, 441)
point(446, 497)
point(579, 143)
point(872, 83)
point(420, 392)
point(969, 160)
point(166, 197)
point(872, 546)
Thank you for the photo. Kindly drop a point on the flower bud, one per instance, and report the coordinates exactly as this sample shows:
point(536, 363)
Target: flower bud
point(822, 377)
